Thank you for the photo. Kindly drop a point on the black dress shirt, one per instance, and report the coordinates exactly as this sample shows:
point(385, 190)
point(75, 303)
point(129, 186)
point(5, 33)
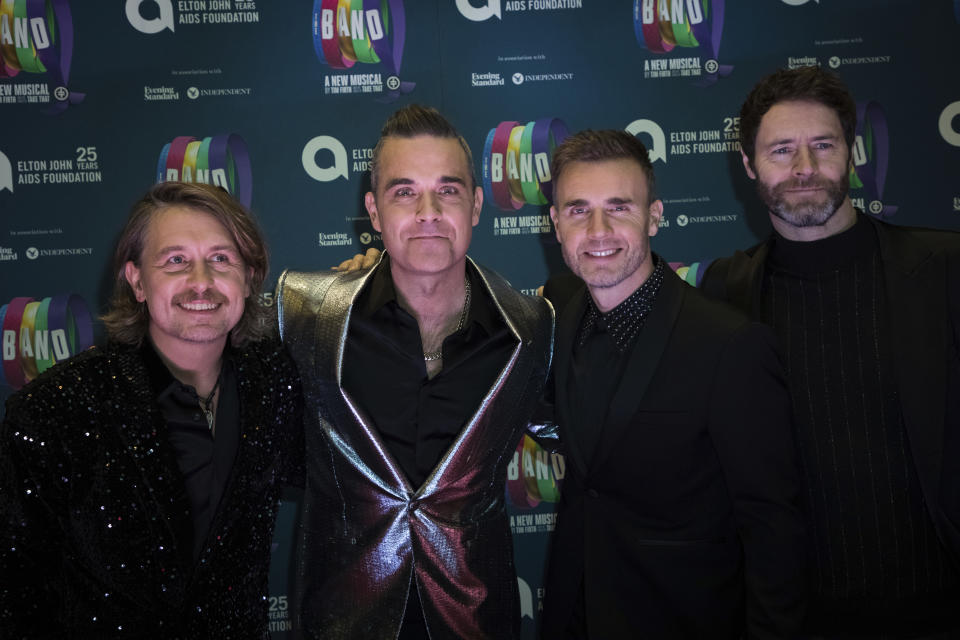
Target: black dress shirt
point(602, 352)
point(205, 461)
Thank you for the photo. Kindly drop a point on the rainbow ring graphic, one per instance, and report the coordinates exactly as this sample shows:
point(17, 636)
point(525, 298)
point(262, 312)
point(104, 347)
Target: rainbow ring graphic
point(221, 160)
point(691, 273)
point(873, 146)
point(659, 29)
point(537, 481)
point(36, 36)
point(345, 33)
point(516, 162)
point(37, 334)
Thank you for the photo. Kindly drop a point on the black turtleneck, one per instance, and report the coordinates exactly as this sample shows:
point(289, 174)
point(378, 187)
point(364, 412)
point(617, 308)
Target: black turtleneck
point(875, 557)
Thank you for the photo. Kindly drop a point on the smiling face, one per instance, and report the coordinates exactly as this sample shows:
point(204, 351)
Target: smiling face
point(604, 222)
point(802, 167)
point(191, 277)
point(425, 206)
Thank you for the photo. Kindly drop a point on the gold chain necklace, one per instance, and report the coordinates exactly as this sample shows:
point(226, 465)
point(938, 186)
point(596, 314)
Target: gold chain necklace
point(432, 356)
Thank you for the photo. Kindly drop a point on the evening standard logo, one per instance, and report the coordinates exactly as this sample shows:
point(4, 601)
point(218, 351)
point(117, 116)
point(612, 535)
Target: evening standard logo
point(489, 79)
point(36, 38)
point(516, 171)
point(949, 132)
point(871, 159)
point(83, 167)
point(337, 239)
point(534, 475)
point(153, 16)
point(803, 61)
point(495, 9)
point(222, 160)
point(160, 94)
point(39, 333)
point(836, 61)
point(689, 30)
point(325, 159)
point(368, 40)
point(7, 254)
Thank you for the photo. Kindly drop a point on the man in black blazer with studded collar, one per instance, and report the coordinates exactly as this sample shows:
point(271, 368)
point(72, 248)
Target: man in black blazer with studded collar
point(679, 516)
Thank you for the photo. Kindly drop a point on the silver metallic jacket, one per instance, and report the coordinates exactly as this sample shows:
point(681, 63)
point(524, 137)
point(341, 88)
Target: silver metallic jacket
point(368, 536)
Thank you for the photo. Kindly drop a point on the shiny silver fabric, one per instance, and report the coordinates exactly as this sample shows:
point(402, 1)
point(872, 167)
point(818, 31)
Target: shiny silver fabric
point(368, 537)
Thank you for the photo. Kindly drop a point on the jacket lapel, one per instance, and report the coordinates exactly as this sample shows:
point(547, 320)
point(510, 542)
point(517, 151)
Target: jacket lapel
point(144, 436)
point(348, 426)
point(915, 288)
point(644, 360)
point(567, 325)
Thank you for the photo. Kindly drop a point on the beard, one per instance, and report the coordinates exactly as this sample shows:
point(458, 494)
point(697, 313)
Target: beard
point(815, 210)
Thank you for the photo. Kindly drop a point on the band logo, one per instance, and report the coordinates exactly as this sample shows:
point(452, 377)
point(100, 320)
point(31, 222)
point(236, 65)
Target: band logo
point(871, 158)
point(696, 26)
point(221, 160)
point(534, 475)
point(347, 35)
point(38, 334)
point(516, 162)
point(36, 37)
point(691, 273)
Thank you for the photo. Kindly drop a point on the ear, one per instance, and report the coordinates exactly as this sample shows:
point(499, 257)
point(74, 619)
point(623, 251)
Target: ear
point(746, 165)
point(132, 273)
point(477, 204)
point(371, 204)
point(656, 215)
point(556, 226)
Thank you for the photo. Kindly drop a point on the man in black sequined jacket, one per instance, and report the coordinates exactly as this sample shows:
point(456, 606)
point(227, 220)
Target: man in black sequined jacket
point(139, 482)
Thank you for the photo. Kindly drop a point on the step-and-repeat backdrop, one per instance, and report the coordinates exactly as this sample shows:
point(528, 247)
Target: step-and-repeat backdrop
point(281, 102)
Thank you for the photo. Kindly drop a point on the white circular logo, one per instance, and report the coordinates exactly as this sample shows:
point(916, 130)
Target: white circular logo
point(393, 83)
point(365, 238)
point(875, 206)
point(32, 253)
point(517, 78)
point(711, 66)
point(682, 220)
point(834, 62)
point(193, 93)
point(951, 135)
point(61, 93)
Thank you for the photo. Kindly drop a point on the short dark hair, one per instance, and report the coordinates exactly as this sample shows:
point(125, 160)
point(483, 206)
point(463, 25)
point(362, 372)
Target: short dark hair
point(127, 319)
point(412, 121)
point(811, 84)
point(605, 144)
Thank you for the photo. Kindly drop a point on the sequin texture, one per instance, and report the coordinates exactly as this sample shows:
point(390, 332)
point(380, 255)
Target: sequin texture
point(91, 518)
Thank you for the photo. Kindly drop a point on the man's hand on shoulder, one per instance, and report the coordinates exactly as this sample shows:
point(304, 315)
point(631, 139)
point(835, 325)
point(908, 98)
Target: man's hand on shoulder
point(359, 261)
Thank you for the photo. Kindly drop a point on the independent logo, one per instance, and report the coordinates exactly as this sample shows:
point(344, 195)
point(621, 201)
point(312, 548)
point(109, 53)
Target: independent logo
point(516, 162)
point(221, 160)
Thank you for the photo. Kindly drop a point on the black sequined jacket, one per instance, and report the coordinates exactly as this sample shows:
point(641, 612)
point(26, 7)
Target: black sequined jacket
point(92, 505)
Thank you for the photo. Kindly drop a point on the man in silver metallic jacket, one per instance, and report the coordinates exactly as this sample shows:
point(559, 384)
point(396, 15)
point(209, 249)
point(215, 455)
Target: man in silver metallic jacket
point(420, 375)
